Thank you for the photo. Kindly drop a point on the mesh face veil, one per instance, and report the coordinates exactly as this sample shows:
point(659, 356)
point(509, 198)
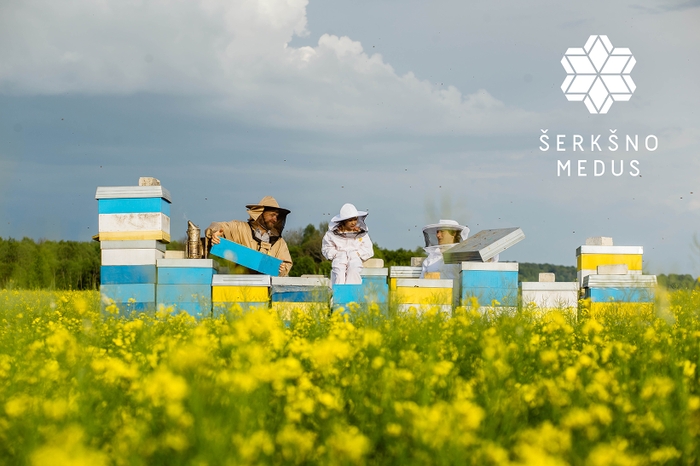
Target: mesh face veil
point(430, 232)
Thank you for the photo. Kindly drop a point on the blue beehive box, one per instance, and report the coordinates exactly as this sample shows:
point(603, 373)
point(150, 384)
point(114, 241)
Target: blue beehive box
point(185, 285)
point(185, 271)
point(127, 274)
point(489, 282)
point(246, 257)
point(300, 290)
point(129, 297)
point(631, 288)
point(134, 206)
point(374, 289)
point(193, 299)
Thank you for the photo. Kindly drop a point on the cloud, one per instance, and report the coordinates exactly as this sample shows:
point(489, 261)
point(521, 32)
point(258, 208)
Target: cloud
point(237, 56)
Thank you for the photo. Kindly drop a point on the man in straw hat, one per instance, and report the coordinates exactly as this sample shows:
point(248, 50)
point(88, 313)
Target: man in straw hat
point(262, 232)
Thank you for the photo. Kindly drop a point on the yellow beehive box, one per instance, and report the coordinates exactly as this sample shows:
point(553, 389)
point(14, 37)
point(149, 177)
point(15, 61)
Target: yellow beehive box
point(247, 291)
point(423, 294)
point(589, 257)
point(240, 294)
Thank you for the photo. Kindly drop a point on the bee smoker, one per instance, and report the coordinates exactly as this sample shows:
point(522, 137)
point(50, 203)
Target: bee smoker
point(193, 247)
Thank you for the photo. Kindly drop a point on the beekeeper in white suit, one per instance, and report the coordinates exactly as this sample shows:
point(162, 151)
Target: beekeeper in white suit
point(439, 237)
point(347, 244)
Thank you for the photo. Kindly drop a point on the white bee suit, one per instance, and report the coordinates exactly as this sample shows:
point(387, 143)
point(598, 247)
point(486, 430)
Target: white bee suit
point(435, 263)
point(347, 250)
point(347, 255)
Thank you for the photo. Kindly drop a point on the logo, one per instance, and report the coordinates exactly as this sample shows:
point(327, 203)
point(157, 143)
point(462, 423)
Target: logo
point(598, 74)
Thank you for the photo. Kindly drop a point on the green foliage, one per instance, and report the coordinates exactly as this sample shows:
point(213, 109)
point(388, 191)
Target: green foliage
point(529, 272)
point(60, 265)
point(305, 249)
point(397, 256)
point(677, 282)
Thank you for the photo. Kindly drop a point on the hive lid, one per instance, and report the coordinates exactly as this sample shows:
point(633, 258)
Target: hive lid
point(128, 192)
point(402, 271)
point(240, 280)
point(549, 286)
point(301, 281)
point(591, 249)
point(617, 281)
point(484, 245)
point(383, 272)
point(424, 283)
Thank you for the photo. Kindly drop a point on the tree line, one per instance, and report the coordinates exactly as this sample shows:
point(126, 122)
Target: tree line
point(75, 265)
point(59, 265)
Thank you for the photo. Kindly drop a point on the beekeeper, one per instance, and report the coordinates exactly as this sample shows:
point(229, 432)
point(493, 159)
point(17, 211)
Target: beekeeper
point(262, 232)
point(347, 244)
point(439, 237)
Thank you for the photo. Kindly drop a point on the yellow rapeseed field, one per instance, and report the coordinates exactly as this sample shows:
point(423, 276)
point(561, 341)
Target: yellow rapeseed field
point(81, 388)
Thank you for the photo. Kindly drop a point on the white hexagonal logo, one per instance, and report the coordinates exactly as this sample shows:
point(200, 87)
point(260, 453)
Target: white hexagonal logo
point(598, 74)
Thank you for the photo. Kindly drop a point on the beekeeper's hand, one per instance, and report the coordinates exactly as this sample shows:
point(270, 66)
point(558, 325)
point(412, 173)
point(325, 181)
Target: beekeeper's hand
point(215, 237)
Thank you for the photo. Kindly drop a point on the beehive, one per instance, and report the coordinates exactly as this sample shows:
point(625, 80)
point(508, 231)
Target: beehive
point(133, 213)
point(423, 295)
point(589, 257)
point(301, 293)
point(374, 289)
point(133, 225)
point(548, 294)
point(185, 285)
point(246, 291)
point(491, 283)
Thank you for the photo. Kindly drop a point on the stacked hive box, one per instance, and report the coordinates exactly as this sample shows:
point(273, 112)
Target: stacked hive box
point(600, 251)
point(134, 225)
point(373, 290)
point(301, 293)
point(613, 275)
point(547, 295)
point(246, 291)
point(490, 283)
point(185, 285)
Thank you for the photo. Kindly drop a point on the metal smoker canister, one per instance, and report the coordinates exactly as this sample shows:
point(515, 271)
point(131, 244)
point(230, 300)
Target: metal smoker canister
point(193, 249)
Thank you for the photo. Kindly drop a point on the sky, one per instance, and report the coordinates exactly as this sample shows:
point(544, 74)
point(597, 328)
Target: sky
point(413, 111)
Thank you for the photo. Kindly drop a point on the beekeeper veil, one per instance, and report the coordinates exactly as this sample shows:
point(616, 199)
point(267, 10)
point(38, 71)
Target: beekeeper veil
point(430, 231)
point(267, 203)
point(346, 212)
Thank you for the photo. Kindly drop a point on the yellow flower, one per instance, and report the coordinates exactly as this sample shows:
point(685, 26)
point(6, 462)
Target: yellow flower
point(68, 449)
point(348, 444)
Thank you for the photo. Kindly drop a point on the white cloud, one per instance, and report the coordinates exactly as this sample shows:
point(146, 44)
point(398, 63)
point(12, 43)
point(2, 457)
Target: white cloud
point(237, 53)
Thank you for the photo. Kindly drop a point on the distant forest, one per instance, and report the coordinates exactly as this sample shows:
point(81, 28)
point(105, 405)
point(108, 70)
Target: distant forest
point(73, 265)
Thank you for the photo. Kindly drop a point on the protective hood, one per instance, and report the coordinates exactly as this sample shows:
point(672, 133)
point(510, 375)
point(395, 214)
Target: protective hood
point(268, 203)
point(346, 212)
point(430, 232)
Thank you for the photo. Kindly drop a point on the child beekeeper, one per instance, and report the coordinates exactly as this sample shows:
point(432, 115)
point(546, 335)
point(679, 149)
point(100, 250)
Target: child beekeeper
point(347, 244)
